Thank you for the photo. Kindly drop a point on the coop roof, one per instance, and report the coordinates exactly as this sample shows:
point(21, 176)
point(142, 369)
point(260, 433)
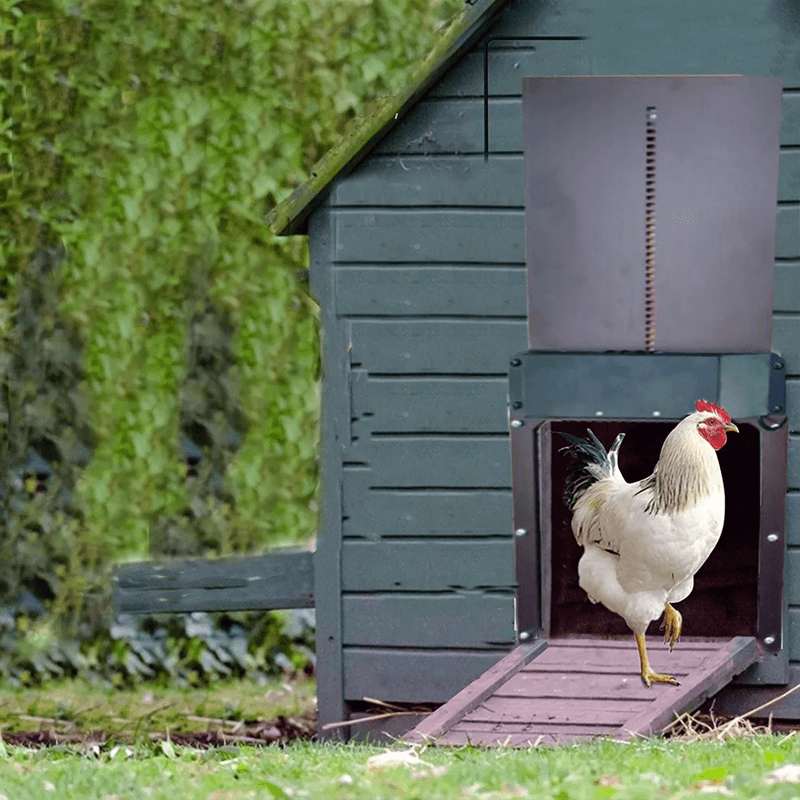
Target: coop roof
point(291, 216)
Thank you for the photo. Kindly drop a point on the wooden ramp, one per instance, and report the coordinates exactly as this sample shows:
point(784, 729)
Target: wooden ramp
point(567, 690)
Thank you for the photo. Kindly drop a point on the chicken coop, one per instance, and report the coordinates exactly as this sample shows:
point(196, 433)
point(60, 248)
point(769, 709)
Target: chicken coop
point(479, 292)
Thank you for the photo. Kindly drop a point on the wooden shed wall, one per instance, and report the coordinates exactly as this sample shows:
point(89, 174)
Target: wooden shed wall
point(418, 260)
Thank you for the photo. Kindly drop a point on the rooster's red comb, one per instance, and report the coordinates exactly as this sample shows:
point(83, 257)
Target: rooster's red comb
point(704, 405)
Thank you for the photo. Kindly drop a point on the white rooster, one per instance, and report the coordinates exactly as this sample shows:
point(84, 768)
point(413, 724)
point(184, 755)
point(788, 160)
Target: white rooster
point(643, 542)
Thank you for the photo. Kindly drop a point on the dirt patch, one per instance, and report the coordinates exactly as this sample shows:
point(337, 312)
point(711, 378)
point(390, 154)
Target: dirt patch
point(280, 730)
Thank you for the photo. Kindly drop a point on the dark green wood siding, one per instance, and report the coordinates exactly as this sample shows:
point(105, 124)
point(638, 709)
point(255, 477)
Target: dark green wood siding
point(425, 293)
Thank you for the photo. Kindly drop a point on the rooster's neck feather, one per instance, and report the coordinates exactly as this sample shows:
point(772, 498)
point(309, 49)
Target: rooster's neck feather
point(687, 470)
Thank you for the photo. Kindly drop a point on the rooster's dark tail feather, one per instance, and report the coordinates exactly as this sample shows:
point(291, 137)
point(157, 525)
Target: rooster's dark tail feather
point(592, 463)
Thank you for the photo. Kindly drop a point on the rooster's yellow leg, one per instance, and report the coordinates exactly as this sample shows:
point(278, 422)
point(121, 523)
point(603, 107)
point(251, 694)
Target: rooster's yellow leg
point(647, 674)
point(672, 626)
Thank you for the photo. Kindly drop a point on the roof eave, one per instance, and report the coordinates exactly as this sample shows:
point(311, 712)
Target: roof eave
point(291, 216)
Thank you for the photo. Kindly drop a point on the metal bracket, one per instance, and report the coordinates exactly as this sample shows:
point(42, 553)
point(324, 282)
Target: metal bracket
point(553, 385)
point(777, 396)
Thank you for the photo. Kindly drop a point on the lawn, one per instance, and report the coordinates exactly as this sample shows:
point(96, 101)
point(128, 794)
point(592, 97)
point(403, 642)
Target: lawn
point(647, 769)
point(138, 758)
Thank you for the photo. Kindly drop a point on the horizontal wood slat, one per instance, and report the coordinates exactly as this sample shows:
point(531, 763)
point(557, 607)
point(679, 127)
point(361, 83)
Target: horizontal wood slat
point(430, 461)
point(466, 347)
point(507, 66)
point(471, 181)
point(469, 620)
point(787, 287)
point(430, 235)
point(793, 465)
point(468, 236)
point(430, 512)
point(437, 291)
point(394, 674)
point(275, 580)
point(437, 405)
point(793, 519)
point(786, 341)
point(793, 404)
point(530, 710)
point(451, 126)
point(444, 181)
point(417, 565)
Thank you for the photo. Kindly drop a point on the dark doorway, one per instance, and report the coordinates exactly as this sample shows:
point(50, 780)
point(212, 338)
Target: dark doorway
point(724, 600)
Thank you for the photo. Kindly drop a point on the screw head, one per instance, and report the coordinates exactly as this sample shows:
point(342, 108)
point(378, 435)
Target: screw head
point(516, 423)
point(525, 635)
point(521, 532)
point(777, 409)
point(778, 365)
point(767, 639)
point(517, 404)
point(772, 537)
point(515, 362)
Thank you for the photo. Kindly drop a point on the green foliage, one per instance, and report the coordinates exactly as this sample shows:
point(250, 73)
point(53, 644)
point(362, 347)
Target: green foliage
point(145, 141)
point(175, 649)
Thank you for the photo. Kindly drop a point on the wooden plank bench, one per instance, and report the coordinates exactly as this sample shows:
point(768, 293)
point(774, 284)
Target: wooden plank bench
point(283, 578)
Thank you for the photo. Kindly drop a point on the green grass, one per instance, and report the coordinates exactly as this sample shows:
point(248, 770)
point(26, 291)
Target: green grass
point(81, 707)
point(133, 766)
point(648, 769)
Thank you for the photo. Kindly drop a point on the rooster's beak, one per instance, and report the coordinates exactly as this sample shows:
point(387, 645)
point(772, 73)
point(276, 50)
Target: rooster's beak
point(731, 427)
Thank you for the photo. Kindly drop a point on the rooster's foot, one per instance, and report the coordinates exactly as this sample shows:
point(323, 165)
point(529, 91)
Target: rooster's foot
point(672, 626)
point(656, 677)
point(648, 676)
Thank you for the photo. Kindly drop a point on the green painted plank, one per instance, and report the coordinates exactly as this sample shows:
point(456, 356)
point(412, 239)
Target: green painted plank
point(573, 18)
point(790, 117)
point(466, 347)
point(469, 620)
point(714, 37)
point(412, 676)
point(786, 341)
point(443, 181)
point(439, 461)
point(468, 236)
point(787, 287)
point(787, 240)
point(430, 235)
point(376, 513)
point(789, 176)
point(792, 627)
point(793, 404)
point(456, 126)
point(734, 699)
point(793, 519)
point(436, 405)
point(417, 565)
point(434, 291)
point(509, 61)
point(274, 580)
point(334, 409)
point(793, 466)
point(792, 588)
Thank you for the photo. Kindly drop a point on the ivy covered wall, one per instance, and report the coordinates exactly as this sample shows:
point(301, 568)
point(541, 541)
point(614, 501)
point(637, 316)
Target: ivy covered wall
point(159, 357)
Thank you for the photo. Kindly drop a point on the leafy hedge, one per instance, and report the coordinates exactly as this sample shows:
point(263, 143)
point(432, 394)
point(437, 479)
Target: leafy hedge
point(144, 309)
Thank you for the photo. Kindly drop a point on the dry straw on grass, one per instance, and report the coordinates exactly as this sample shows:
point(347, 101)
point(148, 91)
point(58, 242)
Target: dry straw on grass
point(689, 727)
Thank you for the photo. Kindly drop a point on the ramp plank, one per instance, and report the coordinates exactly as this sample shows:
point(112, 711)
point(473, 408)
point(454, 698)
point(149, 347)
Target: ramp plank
point(577, 689)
